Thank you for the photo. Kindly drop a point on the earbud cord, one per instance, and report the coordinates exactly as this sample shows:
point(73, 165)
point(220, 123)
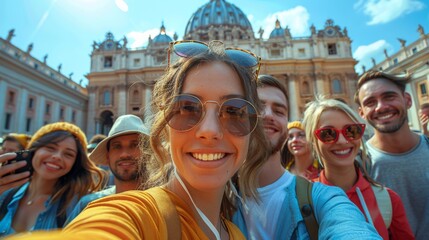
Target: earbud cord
point(202, 215)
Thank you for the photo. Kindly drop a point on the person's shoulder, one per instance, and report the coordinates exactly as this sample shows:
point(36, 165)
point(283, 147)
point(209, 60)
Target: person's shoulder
point(96, 195)
point(322, 192)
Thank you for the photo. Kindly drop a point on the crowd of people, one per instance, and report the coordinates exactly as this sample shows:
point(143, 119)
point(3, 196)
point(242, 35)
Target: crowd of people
point(225, 162)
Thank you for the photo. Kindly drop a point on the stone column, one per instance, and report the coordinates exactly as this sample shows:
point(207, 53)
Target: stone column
point(293, 97)
point(122, 104)
point(3, 94)
point(92, 104)
point(21, 116)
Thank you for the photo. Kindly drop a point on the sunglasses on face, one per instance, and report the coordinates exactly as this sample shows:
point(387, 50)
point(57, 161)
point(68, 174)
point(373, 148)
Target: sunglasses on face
point(236, 115)
point(350, 132)
point(190, 48)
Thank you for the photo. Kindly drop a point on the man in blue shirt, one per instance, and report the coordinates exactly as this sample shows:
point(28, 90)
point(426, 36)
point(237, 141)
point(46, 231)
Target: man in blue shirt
point(277, 214)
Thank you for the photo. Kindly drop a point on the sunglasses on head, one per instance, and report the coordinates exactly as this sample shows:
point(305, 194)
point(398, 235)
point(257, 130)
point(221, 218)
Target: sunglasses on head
point(190, 48)
point(350, 132)
point(236, 115)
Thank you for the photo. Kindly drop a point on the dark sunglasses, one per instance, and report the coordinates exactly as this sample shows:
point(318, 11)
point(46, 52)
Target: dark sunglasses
point(190, 48)
point(350, 132)
point(236, 115)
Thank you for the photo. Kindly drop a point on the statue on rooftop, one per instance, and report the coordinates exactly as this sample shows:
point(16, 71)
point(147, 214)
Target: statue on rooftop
point(10, 35)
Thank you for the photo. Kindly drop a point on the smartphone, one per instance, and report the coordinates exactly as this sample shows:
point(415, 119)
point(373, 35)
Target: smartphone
point(24, 155)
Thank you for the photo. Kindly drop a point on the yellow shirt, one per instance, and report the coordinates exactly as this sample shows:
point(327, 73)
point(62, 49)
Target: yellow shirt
point(129, 215)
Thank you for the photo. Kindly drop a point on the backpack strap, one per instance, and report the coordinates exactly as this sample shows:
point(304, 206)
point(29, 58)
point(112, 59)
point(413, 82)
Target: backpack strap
point(305, 201)
point(384, 203)
point(6, 201)
point(168, 212)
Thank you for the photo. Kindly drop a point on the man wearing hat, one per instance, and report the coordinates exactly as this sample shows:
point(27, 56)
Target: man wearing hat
point(120, 151)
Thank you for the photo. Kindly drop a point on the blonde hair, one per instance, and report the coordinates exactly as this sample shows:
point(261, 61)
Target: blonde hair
point(312, 115)
point(170, 85)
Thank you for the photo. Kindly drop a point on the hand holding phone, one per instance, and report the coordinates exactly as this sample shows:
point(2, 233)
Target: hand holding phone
point(15, 170)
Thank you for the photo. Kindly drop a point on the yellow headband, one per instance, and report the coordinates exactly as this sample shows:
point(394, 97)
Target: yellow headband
point(295, 124)
point(23, 139)
point(60, 126)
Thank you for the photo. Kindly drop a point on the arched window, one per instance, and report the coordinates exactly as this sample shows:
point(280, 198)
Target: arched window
point(107, 98)
point(336, 86)
point(136, 96)
point(305, 88)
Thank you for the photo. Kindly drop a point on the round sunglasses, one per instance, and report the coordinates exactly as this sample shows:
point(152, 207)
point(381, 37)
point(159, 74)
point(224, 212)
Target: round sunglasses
point(238, 116)
point(350, 132)
point(190, 48)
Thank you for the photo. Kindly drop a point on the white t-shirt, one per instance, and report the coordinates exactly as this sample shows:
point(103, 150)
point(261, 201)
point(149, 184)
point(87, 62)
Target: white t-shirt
point(261, 219)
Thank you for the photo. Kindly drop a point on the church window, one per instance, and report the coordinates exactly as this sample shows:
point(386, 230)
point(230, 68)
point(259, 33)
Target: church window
point(136, 96)
point(395, 61)
point(414, 50)
point(332, 49)
point(336, 86)
point(136, 62)
point(305, 88)
point(108, 61)
point(28, 125)
point(107, 97)
point(423, 89)
point(301, 52)
point(275, 52)
point(11, 97)
point(8, 120)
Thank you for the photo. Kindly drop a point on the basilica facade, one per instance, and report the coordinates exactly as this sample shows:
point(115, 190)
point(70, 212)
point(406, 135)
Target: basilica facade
point(121, 79)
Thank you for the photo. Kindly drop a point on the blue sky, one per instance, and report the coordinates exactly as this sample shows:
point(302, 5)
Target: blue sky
point(66, 29)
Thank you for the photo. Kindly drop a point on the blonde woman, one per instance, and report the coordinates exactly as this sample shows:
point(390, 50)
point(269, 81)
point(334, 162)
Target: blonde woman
point(336, 131)
point(297, 154)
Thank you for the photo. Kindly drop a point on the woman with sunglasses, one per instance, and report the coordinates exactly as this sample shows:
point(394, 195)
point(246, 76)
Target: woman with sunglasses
point(205, 128)
point(337, 140)
point(296, 154)
point(61, 174)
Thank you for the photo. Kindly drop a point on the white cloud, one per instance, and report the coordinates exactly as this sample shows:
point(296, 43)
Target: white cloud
point(374, 50)
point(122, 5)
point(384, 11)
point(140, 39)
point(296, 19)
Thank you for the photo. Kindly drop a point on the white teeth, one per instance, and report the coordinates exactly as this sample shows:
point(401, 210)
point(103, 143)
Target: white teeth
point(343, 152)
point(53, 165)
point(208, 156)
point(385, 116)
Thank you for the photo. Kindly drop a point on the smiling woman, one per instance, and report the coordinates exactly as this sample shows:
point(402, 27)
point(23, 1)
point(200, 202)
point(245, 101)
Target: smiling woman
point(61, 175)
point(335, 132)
point(208, 100)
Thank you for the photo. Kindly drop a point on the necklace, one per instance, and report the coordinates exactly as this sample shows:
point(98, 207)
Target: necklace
point(29, 202)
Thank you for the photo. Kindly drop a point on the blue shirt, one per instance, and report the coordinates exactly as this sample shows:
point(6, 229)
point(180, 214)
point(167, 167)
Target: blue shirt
point(45, 221)
point(337, 216)
point(85, 200)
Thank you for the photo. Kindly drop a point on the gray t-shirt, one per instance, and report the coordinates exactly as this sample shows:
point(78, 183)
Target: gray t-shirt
point(408, 175)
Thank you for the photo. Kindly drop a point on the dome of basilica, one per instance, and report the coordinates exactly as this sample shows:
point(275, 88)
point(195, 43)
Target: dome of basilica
point(218, 19)
point(162, 37)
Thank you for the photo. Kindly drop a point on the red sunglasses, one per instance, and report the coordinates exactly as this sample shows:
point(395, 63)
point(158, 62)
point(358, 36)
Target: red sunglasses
point(350, 132)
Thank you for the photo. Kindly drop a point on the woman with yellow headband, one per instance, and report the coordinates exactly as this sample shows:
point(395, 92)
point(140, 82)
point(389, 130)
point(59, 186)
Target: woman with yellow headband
point(61, 175)
point(297, 155)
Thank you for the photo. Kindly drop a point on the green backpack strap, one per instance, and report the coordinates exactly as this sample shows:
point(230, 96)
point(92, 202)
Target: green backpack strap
point(305, 201)
point(168, 211)
point(384, 203)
